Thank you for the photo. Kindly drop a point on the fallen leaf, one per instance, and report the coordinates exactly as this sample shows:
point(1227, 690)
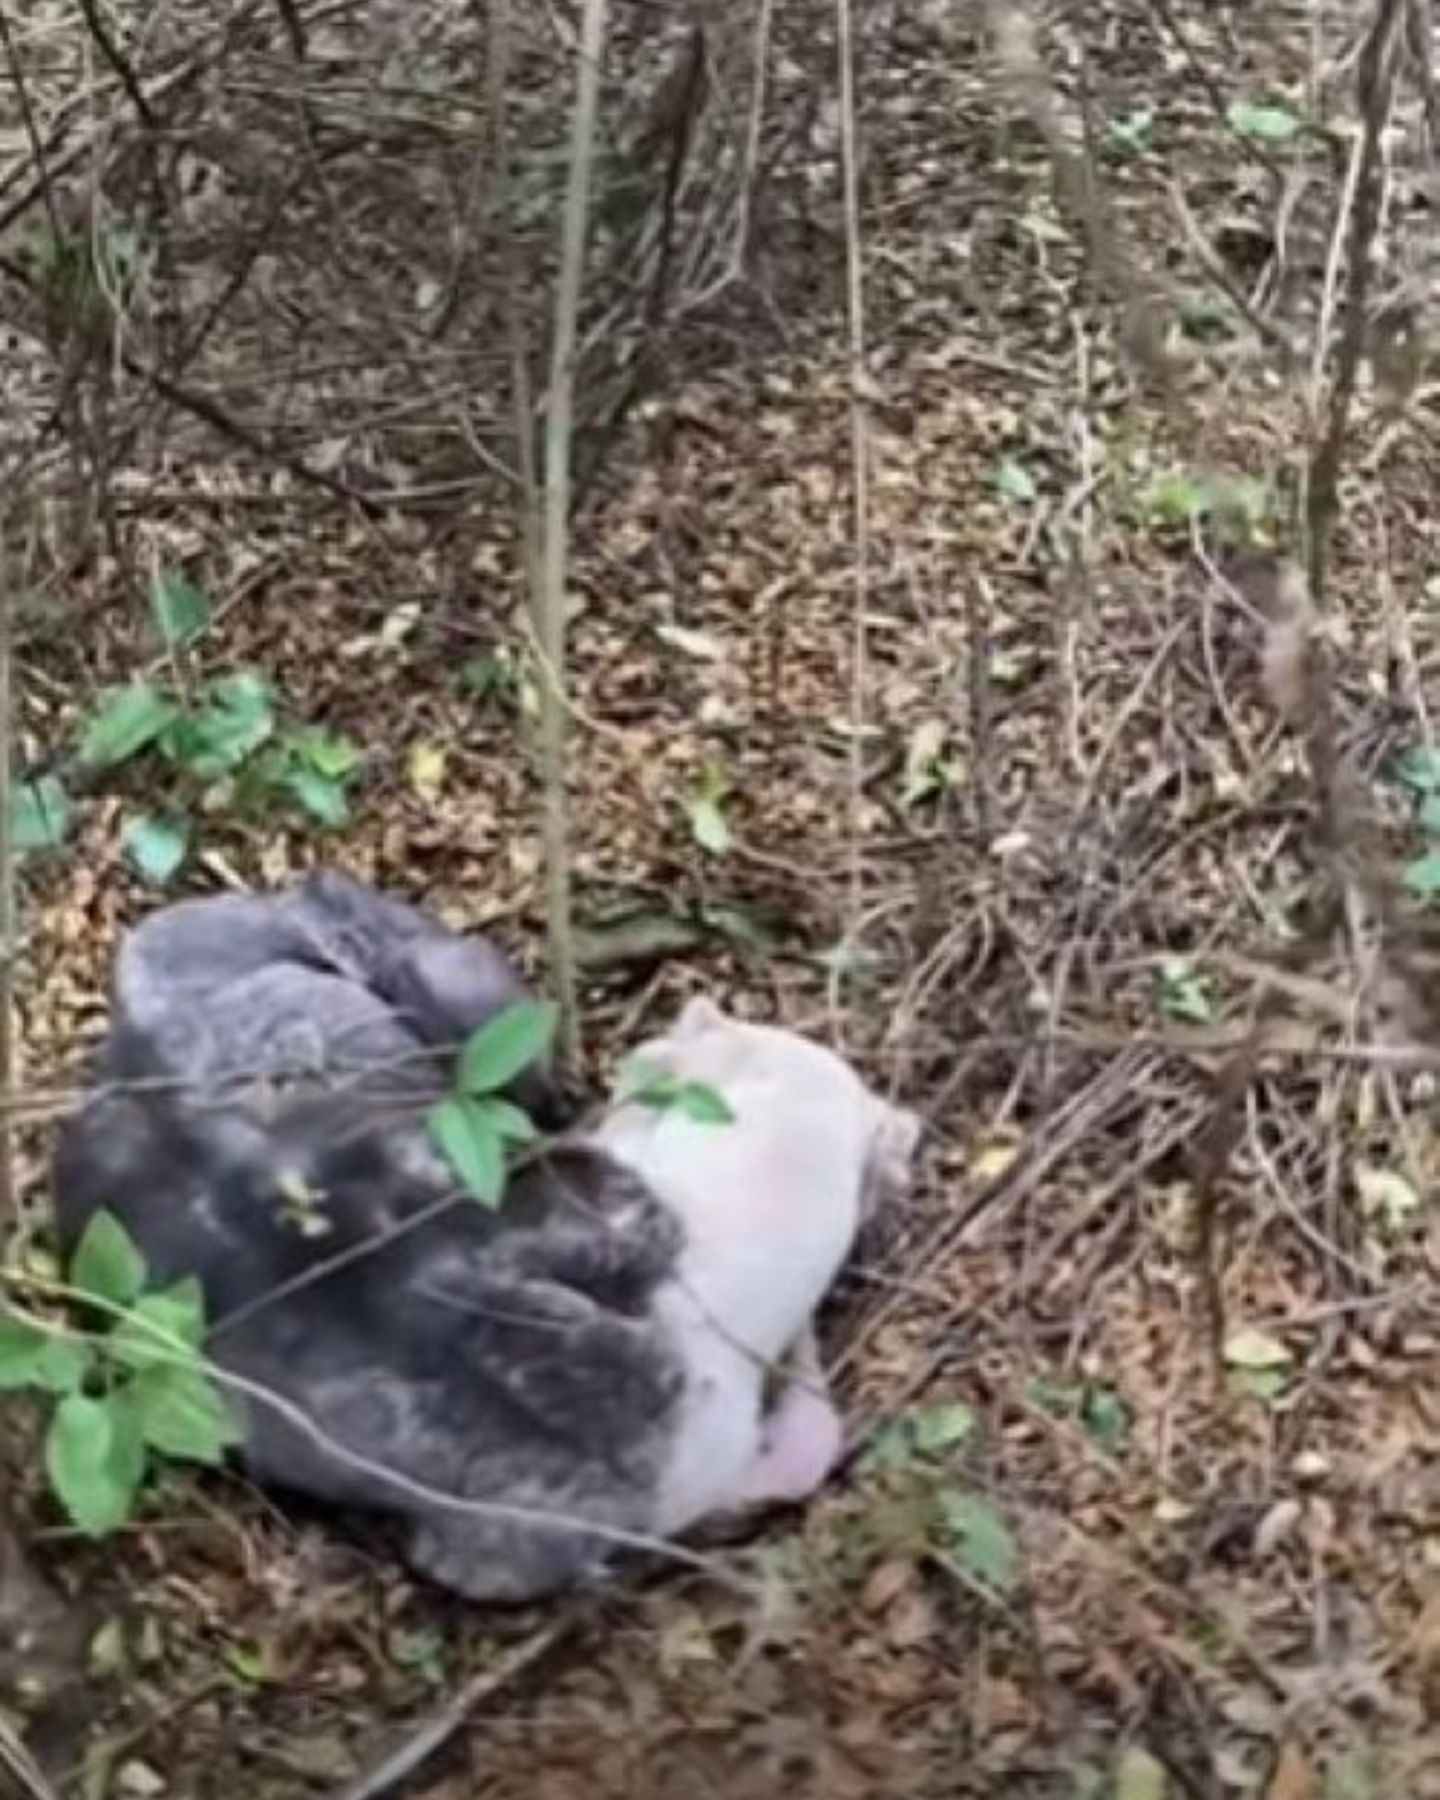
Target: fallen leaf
point(1249, 1348)
point(427, 771)
point(995, 1156)
point(1385, 1195)
point(1292, 1778)
point(1279, 1522)
point(886, 1582)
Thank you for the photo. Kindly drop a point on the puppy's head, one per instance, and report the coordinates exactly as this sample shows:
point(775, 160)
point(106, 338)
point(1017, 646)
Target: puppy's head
point(705, 1044)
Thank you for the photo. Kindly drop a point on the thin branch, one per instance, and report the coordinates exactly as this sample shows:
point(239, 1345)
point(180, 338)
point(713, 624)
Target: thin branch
point(440, 1725)
point(1375, 83)
point(549, 600)
point(859, 462)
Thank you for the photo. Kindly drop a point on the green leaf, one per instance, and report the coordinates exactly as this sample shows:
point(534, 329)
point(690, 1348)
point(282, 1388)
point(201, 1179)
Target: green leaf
point(980, 1538)
point(1132, 130)
point(65, 1364)
point(128, 1457)
point(1263, 1384)
point(1429, 814)
point(322, 797)
point(106, 1264)
point(216, 739)
point(40, 813)
point(936, 1429)
point(159, 1331)
point(178, 607)
point(1355, 1774)
point(183, 1414)
point(707, 823)
point(1138, 1776)
point(328, 755)
point(647, 1085)
point(127, 720)
point(1177, 498)
point(511, 1123)
point(1106, 1417)
point(701, 1104)
point(471, 1145)
point(1264, 124)
point(81, 1467)
point(1419, 768)
point(157, 844)
point(1422, 876)
point(510, 1043)
point(1185, 992)
point(645, 1082)
point(22, 1353)
point(1016, 482)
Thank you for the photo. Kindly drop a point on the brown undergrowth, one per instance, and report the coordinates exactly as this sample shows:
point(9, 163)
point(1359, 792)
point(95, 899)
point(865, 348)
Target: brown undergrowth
point(1173, 1239)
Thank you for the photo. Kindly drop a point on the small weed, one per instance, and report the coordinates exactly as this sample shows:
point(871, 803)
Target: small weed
point(1185, 993)
point(216, 743)
point(1131, 131)
point(474, 1128)
point(1417, 771)
point(922, 1509)
point(134, 1389)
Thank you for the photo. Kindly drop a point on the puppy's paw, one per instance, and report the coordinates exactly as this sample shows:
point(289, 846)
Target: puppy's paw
point(800, 1444)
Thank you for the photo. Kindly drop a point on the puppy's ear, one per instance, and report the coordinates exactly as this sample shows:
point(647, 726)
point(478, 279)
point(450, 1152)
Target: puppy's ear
point(698, 1015)
point(891, 1154)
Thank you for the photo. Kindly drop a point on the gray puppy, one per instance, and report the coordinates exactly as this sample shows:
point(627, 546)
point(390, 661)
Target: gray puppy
point(259, 1123)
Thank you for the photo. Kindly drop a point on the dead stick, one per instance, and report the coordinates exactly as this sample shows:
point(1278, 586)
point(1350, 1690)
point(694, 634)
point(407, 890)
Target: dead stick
point(440, 1726)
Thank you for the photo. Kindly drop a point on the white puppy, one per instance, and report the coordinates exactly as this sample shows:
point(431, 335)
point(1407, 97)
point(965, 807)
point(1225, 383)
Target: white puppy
point(770, 1203)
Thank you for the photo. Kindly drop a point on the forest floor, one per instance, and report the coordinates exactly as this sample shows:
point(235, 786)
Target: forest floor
point(1105, 1543)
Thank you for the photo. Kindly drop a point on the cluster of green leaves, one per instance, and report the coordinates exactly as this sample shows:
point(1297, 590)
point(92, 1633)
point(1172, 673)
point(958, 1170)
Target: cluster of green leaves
point(221, 742)
point(134, 1387)
point(1239, 508)
point(474, 1128)
point(1418, 773)
point(925, 1508)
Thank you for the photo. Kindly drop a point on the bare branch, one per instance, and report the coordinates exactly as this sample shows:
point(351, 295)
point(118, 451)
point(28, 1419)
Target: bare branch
point(550, 597)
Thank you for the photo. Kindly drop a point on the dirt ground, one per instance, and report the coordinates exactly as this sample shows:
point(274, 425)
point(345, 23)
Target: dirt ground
point(1202, 1550)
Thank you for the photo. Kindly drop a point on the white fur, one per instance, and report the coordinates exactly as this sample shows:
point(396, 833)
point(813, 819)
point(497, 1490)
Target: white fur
point(771, 1203)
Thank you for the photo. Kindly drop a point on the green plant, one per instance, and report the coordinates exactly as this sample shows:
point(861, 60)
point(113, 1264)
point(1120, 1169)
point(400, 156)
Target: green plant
point(1099, 1409)
point(646, 1085)
point(1417, 771)
point(134, 1388)
point(221, 741)
point(929, 770)
point(473, 1127)
point(704, 808)
point(1239, 508)
point(1131, 131)
point(1263, 124)
point(1186, 993)
point(912, 1459)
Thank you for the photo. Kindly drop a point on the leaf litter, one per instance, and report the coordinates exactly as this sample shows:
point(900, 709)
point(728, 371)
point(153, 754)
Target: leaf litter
point(1234, 1591)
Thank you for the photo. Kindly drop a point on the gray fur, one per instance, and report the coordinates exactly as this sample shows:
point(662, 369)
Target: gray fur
point(508, 1357)
point(332, 979)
